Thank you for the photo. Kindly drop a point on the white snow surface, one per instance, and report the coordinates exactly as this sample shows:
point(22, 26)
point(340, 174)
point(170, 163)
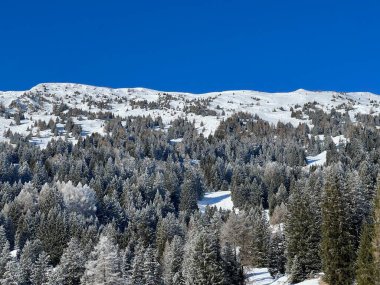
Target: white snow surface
point(37, 104)
point(338, 140)
point(261, 276)
point(258, 276)
point(220, 199)
point(317, 160)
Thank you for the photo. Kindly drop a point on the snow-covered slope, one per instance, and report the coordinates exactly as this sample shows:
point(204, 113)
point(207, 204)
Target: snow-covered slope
point(261, 276)
point(220, 199)
point(317, 160)
point(207, 110)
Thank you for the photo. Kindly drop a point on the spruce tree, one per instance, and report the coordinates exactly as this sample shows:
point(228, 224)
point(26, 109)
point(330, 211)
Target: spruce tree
point(206, 261)
point(365, 269)
point(28, 257)
point(337, 241)
point(376, 234)
point(189, 195)
point(40, 270)
point(297, 272)
point(151, 268)
point(302, 231)
point(259, 235)
point(202, 262)
point(71, 266)
point(126, 263)
point(137, 271)
point(53, 233)
point(5, 256)
point(172, 262)
point(104, 264)
point(232, 269)
point(12, 274)
point(277, 258)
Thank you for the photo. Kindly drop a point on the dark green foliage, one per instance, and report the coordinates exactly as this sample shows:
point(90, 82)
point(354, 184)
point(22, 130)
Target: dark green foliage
point(365, 267)
point(144, 190)
point(277, 258)
point(190, 192)
point(376, 234)
point(338, 253)
point(302, 230)
point(53, 234)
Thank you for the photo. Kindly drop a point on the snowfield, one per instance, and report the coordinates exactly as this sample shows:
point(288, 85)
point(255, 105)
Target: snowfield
point(220, 199)
point(37, 104)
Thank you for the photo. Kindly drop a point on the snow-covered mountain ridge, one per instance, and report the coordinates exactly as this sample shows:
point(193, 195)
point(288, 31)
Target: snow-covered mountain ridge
point(206, 110)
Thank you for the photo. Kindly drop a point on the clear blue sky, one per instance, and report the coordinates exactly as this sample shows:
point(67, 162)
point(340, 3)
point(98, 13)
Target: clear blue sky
point(192, 45)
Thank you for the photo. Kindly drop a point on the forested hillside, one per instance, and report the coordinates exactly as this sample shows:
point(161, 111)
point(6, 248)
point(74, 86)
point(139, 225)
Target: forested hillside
point(112, 198)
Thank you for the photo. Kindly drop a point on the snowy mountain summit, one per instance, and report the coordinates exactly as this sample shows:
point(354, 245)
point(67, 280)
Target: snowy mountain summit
point(21, 110)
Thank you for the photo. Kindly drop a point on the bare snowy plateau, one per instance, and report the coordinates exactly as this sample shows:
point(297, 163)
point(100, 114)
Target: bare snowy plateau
point(38, 103)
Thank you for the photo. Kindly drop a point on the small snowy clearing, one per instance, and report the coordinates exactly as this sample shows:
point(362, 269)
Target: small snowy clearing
point(339, 140)
point(176, 140)
point(220, 199)
point(258, 276)
point(318, 160)
point(261, 276)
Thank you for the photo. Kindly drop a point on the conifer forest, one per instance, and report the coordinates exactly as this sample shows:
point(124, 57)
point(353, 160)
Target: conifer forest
point(121, 203)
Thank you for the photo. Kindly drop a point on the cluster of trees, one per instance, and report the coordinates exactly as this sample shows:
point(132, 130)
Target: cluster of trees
point(122, 208)
point(323, 227)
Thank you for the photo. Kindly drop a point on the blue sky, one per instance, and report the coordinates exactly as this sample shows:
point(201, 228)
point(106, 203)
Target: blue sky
point(191, 45)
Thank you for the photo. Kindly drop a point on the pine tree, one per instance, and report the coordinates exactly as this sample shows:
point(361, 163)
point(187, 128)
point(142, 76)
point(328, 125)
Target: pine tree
point(376, 234)
point(189, 195)
point(172, 262)
point(277, 259)
point(232, 269)
point(167, 228)
point(71, 266)
point(365, 272)
point(203, 264)
point(137, 273)
point(302, 231)
point(5, 257)
point(337, 241)
point(103, 268)
point(259, 238)
point(126, 263)
point(12, 274)
point(28, 257)
point(360, 204)
point(53, 233)
point(40, 270)
point(3, 237)
point(151, 268)
point(297, 272)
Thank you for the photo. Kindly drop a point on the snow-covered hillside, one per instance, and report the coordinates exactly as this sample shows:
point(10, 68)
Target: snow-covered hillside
point(206, 110)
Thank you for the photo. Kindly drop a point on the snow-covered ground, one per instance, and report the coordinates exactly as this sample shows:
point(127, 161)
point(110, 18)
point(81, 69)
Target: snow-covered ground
point(258, 276)
point(261, 276)
point(220, 199)
point(317, 160)
point(338, 140)
point(37, 103)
